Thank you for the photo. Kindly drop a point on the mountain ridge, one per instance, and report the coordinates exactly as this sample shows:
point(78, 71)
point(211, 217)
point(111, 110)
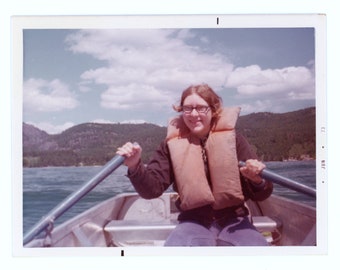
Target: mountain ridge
point(273, 136)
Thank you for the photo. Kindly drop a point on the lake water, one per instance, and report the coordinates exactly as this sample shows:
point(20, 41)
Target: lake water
point(44, 188)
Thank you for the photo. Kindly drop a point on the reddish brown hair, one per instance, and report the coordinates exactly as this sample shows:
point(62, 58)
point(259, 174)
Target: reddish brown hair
point(205, 92)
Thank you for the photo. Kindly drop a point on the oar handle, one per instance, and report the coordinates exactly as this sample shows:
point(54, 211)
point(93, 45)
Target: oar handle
point(60, 209)
point(284, 181)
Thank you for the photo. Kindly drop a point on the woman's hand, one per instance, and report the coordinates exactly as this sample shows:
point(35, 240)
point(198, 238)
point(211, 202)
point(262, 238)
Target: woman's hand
point(132, 153)
point(252, 170)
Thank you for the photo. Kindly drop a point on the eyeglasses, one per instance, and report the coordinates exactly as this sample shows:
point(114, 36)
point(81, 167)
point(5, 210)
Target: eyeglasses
point(200, 109)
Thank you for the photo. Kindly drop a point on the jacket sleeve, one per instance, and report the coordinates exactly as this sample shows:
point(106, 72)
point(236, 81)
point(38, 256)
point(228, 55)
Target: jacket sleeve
point(250, 190)
point(151, 180)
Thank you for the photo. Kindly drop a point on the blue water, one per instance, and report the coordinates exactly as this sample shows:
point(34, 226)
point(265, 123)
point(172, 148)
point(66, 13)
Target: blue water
point(303, 172)
point(44, 188)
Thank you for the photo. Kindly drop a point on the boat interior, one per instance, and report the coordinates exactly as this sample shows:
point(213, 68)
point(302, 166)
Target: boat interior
point(129, 220)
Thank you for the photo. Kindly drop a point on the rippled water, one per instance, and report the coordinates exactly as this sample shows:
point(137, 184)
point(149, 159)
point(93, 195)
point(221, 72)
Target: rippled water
point(303, 172)
point(44, 188)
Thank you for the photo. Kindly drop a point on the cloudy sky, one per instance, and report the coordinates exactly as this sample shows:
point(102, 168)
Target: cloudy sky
point(135, 75)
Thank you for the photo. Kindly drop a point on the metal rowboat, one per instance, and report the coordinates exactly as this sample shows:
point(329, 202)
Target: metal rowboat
point(129, 220)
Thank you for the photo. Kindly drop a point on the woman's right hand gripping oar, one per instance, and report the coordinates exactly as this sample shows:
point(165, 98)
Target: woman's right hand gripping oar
point(132, 153)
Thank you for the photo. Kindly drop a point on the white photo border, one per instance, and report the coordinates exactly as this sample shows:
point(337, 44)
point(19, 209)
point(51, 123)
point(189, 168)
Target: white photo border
point(316, 21)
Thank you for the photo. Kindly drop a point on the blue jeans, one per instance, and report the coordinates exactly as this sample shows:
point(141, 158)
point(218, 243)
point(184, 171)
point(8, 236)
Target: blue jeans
point(238, 232)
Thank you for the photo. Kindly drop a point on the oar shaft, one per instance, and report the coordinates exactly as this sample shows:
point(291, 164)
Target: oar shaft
point(60, 209)
point(286, 182)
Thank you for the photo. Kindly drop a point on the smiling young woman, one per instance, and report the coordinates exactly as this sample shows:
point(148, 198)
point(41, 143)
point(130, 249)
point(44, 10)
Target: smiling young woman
point(199, 157)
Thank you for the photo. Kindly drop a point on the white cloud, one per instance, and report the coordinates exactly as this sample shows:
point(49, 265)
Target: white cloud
point(102, 121)
point(263, 105)
point(134, 96)
point(149, 68)
point(272, 90)
point(47, 96)
point(146, 66)
point(132, 121)
point(291, 82)
point(51, 128)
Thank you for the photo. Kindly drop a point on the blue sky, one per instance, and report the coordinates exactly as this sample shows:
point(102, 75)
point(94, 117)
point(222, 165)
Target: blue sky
point(130, 75)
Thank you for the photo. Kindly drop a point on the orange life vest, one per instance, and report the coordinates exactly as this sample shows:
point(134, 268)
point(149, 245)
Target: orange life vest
point(188, 165)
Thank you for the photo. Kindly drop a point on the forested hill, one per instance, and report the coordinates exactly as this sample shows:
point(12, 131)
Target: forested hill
point(273, 136)
point(278, 137)
point(86, 144)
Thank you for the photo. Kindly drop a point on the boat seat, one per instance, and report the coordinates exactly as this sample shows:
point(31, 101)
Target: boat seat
point(139, 232)
point(154, 233)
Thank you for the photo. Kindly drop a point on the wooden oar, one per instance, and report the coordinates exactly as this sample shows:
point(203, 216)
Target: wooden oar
point(284, 181)
point(71, 200)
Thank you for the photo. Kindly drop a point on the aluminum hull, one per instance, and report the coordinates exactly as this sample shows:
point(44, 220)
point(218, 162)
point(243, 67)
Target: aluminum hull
point(128, 220)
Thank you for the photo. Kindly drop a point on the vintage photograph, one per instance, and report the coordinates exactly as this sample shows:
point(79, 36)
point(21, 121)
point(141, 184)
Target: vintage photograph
point(143, 132)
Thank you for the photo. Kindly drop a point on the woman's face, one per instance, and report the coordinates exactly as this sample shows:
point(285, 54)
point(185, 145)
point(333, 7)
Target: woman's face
point(197, 115)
